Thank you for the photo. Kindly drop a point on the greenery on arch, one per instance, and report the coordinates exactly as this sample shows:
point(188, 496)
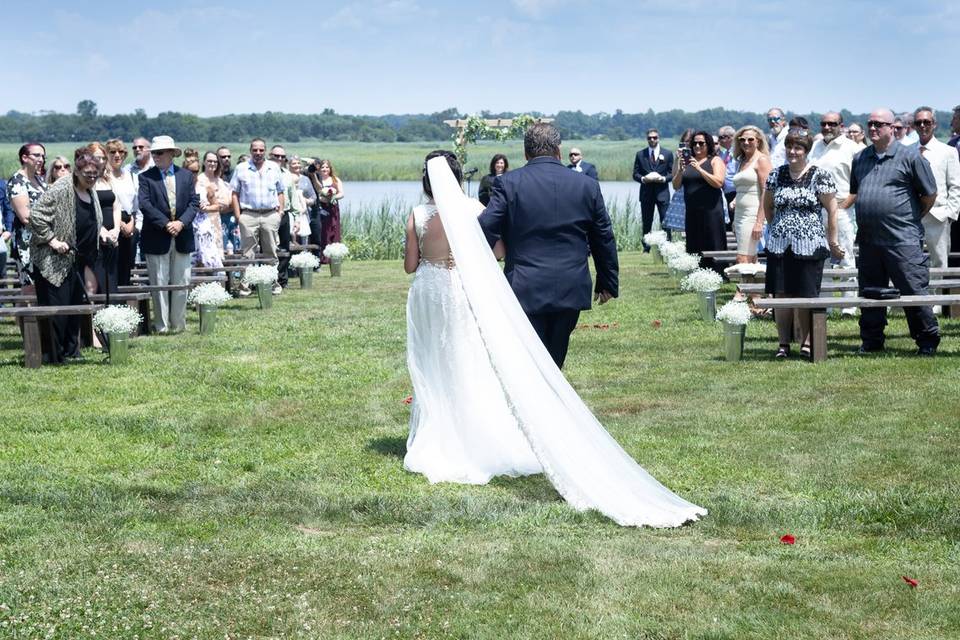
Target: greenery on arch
point(476, 128)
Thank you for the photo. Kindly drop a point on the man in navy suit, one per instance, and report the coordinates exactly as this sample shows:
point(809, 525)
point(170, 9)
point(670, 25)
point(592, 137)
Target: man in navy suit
point(169, 203)
point(578, 164)
point(653, 168)
point(551, 220)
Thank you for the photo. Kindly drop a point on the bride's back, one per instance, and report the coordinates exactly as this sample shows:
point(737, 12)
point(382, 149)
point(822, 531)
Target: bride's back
point(434, 247)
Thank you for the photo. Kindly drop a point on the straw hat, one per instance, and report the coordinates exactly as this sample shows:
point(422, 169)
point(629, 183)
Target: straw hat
point(164, 143)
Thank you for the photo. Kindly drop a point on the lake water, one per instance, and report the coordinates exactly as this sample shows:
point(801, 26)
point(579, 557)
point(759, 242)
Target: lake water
point(362, 196)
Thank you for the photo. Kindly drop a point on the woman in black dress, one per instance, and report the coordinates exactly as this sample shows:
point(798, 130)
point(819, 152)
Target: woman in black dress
point(498, 165)
point(701, 174)
point(104, 274)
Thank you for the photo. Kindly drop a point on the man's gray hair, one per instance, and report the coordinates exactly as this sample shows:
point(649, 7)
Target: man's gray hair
point(925, 108)
point(541, 139)
point(778, 110)
point(726, 130)
point(906, 118)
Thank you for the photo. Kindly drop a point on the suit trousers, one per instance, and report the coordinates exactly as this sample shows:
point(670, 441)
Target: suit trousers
point(169, 307)
point(554, 329)
point(937, 235)
point(259, 228)
point(283, 237)
point(647, 207)
point(907, 268)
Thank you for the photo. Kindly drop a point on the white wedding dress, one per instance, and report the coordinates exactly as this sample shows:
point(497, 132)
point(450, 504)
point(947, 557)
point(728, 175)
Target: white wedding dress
point(488, 398)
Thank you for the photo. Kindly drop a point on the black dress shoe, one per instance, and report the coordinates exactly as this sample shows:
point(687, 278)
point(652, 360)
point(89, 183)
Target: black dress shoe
point(927, 352)
point(870, 348)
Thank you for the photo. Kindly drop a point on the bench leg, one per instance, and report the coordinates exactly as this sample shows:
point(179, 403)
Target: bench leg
point(143, 306)
point(32, 350)
point(953, 311)
point(818, 334)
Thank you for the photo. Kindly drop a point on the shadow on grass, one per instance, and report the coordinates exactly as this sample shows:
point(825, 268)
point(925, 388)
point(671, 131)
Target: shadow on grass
point(390, 447)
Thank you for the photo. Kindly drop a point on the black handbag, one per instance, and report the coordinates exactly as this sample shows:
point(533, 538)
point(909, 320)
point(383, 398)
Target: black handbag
point(880, 293)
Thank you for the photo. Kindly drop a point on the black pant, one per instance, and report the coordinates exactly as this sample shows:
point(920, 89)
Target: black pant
point(316, 224)
point(646, 213)
point(64, 330)
point(126, 257)
point(954, 243)
point(908, 269)
point(283, 264)
point(554, 329)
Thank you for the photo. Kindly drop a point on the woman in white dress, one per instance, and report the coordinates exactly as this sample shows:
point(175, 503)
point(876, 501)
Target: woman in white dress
point(750, 150)
point(488, 398)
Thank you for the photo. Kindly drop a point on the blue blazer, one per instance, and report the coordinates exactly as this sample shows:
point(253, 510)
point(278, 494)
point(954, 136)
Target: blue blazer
point(587, 169)
point(642, 165)
point(551, 220)
point(156, 211)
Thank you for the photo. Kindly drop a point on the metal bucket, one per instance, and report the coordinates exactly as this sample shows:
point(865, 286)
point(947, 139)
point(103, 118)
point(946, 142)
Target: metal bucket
point(655, 254)
point(335, 266)
point(708, 306)
point(208, 318)
point(265, 294)
point(306, 278)
point(733, 336)
point(118, 345)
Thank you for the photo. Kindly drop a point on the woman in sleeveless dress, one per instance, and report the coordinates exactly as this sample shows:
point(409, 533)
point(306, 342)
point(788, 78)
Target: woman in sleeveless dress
point(701, 176)
point(103, 276)
point(750, 150)
point(488, 398)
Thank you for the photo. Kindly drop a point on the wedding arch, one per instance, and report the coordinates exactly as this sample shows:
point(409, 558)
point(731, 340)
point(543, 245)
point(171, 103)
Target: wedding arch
point(473, 128)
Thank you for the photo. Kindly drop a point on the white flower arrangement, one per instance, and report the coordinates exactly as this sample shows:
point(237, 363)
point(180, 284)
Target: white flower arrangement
point(655, 238)
point(305, 260)
point(734, 312)
point(208, 294)
point(684, 262)
point(702, 281)
point(260, 274)
point(336, 251)
point(117, 318)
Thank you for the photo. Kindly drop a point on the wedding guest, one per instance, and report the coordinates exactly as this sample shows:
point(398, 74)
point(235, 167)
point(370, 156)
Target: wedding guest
point(578, 164)
point(797, 248)
point(905, 134)
point(65, 223)
point(498, 166)
point(214, 196)
point(675, 216)
point(258, 201)
point(191, 161)
point(23, 189)
point(296, 203)
point(125, 187)
point(652, 167)
point(725, 140)
point(701, 175)
point(778, 133)
point(954, 140)
point(6, 223)
point(278, 155)
point(894, 188)
point(141, 162)
point(945, 165)
point(855, 133)
point(59, 168)
point(330, 190)
point(750, 153)
point(103, 276)
point(225, 155)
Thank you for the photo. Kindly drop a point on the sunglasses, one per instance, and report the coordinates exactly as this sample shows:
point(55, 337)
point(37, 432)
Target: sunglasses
point(61, 167)
point(698, 143)
point(119, 152)
point(877, 124)
point(725, 137)
point(276, 156)
point(896, 127)
point(574, 154)
point(745, 140)
point(653, 137)
point(774, 119)
point(824, 123)
point(923, 123)
point(225, 157)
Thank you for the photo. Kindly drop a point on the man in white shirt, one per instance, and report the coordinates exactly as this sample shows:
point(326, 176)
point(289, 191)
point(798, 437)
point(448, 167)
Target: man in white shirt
point(903, 129)
point(142, 160)
point(778, 133)
point(834, 153)
point(946, 170)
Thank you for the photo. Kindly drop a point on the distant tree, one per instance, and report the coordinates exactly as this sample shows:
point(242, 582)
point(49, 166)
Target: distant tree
point(87, 109)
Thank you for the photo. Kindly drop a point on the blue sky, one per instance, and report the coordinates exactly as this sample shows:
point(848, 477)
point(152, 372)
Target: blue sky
point(414, 56)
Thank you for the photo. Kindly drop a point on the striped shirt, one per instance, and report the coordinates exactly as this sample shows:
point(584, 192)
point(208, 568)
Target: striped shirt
point(888, 188)
point(257, 189)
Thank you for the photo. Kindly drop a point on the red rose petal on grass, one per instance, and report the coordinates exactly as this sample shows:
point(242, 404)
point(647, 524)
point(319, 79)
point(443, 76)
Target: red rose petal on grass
point(656, 324)
point(910, 581)
point(408, 400)
point(787, 539)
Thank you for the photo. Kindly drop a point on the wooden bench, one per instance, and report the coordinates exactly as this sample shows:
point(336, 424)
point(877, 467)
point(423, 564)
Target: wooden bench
point(828, 274)
point(946, 286)
point(818, 311)
point(31, 316)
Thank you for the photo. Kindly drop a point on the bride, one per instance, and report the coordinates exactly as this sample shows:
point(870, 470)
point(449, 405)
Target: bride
point(488, 398)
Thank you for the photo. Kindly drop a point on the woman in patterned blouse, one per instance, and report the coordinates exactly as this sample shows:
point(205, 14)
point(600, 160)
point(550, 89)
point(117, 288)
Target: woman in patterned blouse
point(23, 189)
point(798, 246)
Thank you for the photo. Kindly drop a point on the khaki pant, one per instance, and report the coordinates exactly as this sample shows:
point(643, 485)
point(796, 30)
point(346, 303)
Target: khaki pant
point(169, 307)
point(937, 235)
point(259, 228)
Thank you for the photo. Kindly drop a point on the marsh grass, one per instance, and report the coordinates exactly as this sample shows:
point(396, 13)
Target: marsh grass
point(250, 484)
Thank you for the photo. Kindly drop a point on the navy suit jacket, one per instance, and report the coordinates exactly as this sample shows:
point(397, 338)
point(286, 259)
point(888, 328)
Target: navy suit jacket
point(642, 165)
point(551, 220)
point(156, 210)
point(587, 168)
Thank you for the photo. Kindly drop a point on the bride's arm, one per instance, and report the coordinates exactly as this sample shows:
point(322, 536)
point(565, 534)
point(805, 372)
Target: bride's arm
point(411, 252)
point(499, 250)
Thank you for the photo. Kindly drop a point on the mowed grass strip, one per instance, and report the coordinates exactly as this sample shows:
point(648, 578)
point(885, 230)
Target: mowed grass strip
point(250, 484)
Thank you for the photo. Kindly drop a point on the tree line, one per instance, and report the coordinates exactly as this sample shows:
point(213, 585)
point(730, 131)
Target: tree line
point(87, 124)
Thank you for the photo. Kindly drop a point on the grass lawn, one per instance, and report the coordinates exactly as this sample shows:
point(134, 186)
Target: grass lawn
point(250, 484)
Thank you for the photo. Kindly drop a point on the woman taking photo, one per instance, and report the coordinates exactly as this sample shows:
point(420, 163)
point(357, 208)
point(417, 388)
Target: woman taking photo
point(675, 215)
point(329, 190)
point(750, 150)
point(58, 168)
point(700, 172)
point(24, 189)
point(65, 224)
point(797, 249)
point(498, 166)
point(125, 190)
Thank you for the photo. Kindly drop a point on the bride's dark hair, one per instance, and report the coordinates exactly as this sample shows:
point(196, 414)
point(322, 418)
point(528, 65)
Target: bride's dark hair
point(451, 160)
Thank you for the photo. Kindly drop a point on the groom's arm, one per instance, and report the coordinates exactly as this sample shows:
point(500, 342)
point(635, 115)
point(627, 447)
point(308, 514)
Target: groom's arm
point(494, 216)
point(603, 247)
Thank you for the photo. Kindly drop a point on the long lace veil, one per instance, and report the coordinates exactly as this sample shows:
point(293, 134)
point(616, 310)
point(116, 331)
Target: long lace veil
point(584, 463)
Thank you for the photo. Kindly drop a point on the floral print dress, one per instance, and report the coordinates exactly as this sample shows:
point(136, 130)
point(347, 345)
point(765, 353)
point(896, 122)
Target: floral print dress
point(20, 185)
point(797, 223)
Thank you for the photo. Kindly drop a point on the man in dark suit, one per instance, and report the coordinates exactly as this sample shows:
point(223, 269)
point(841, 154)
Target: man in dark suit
point(169, 203)
point(653, 169)
point(551, 219)
point(578, 164)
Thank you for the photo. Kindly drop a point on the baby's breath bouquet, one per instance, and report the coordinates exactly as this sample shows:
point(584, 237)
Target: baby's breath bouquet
point(655, 238)
point(118, 319)
point(336, 251)
point(304, 260)
point(668, 249)
point(734, 312)
point(702, 281)
point(260, 275)
point(683, 262)
point(208, 294)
